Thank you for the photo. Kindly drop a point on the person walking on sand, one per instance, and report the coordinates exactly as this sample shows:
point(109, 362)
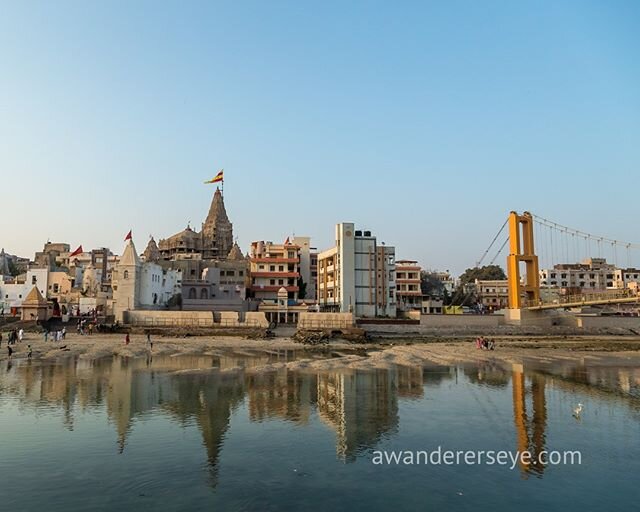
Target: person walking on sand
point(46, 334)
point(9, 350)
point(127, 339)
point(149, 342)
point(64, 332)
point(20, 335)
point(30, 352)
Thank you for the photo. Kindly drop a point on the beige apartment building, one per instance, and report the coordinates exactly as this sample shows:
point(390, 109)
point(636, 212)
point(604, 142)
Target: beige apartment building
point(357, 275)
point(408, 291)
point(277, 266)
point(492, 294)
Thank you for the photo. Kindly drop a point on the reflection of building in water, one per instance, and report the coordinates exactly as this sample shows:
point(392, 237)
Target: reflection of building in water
point(530, 432)
point(362, 406)
point(410, 381)
point(488, 374)
point(283, 394)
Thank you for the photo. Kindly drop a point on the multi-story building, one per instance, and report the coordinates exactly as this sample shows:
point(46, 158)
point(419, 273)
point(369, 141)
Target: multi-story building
point(357, 275)
point(590, 276)
point(275, 266)
point(408, 292)
point(222, 287)
point(492, 294)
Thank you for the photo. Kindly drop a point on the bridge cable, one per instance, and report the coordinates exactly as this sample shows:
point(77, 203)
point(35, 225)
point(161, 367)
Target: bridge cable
point(491, 244)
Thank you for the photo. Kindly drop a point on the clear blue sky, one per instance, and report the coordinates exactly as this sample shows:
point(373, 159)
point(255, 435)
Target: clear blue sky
point(426, 122)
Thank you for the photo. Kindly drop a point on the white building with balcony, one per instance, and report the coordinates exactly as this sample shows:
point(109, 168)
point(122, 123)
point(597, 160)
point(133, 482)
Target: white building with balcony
point(357, 275)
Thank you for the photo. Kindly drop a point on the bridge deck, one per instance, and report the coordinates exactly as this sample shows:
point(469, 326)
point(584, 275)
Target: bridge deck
point(596, 299)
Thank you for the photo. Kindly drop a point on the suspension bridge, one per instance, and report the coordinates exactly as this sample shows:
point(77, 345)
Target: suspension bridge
point(579, 269)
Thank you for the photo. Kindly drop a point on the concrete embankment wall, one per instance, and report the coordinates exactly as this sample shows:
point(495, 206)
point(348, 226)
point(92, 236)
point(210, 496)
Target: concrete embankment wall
point(608, 322)
point(460, 320)
point(310, 320)
point(250, 319)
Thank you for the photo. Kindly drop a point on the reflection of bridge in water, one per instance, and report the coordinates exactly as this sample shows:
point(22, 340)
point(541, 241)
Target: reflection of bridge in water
point(361, 406)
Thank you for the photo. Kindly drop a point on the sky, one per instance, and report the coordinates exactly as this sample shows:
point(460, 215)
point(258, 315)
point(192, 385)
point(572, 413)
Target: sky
point(424, 122)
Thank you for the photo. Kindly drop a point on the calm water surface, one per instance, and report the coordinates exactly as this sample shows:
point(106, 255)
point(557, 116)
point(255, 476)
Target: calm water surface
point(208, 432)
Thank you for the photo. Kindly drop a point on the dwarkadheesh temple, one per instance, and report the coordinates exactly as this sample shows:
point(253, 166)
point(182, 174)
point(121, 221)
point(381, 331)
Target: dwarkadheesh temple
point(192, 251)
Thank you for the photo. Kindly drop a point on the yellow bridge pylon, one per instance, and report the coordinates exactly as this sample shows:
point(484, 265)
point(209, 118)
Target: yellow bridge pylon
point(521, 250)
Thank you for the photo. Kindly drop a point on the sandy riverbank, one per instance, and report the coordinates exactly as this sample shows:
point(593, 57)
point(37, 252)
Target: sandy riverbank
point(510, 349)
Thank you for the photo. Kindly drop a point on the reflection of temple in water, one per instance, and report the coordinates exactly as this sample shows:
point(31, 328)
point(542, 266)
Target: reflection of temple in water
point(361, 406)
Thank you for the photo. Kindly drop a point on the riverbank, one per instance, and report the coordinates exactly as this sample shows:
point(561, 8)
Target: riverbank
point(339, 354)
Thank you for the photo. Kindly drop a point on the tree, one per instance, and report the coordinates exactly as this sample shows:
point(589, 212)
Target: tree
point(13, 268)
point(465, 293)
point(488, 272)
point(431, 285)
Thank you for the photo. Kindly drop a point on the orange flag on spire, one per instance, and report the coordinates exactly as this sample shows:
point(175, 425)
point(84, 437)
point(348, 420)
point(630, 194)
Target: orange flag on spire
point(128, 237)
point(218, 177)
point(76, 252)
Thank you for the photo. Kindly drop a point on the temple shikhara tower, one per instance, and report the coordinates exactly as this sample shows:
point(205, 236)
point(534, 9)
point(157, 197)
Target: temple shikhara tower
point(217, 231)
point(214, 242)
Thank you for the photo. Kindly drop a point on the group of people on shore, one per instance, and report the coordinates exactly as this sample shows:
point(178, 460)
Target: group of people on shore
point(483, 343)
point(84, 326)
point(56, 336)
point(14, 336)
point(127, 340)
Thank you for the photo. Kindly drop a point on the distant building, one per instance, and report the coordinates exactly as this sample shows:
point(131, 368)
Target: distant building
point(141, 285)
point(13, 291)
point(589, 276)
point(222, 286)
point(492, 294)
point(357, 275)
point(432, 305)
point(408, 291)
point(277, 266)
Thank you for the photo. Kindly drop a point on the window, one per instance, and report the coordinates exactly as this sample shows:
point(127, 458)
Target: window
point(204, 294)
point(55, 288)
point(280, 281)
point(281, 268)
point(231, 273)
point(192, 293)
point(272, 268)
point(126, 274)
point(240, 273)
point(34, 279)
point(272, 282)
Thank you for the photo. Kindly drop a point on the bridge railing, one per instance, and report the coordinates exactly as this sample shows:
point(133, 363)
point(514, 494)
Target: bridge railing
point(586, 298)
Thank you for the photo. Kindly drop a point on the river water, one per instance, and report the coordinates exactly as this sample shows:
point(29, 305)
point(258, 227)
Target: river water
point(209, 432)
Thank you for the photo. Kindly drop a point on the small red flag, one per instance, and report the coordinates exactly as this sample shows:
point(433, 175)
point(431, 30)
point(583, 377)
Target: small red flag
point(77, 251)
point(128, 237)
point(286, 242)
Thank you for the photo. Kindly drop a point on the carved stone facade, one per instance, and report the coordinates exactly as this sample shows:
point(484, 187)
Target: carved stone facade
point(213, 242)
